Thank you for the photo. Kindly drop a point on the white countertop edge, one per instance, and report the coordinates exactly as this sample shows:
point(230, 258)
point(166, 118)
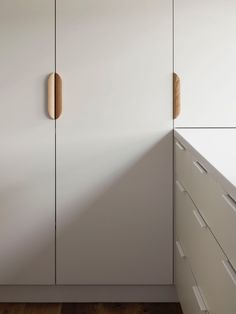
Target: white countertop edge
point(225, 184)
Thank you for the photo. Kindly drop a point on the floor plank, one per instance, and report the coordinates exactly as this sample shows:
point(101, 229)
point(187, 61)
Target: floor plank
point(162, 308)
point(121, 308)
point(90, 308)
point(42, 308)
point(12, 308)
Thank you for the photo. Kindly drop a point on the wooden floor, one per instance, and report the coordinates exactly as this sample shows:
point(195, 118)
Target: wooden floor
point(90, 308)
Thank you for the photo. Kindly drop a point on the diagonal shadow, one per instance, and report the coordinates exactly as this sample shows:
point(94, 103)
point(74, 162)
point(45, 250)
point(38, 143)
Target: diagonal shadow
point(119, 231)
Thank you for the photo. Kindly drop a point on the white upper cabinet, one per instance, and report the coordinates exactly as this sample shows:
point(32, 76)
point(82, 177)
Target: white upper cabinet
point(27, 192)
point(114, 142)
point(205, 60)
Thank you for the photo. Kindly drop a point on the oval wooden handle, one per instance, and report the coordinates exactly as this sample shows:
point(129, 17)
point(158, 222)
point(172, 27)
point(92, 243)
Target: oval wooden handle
point(51, 96)
point(176, 96)
point(58, 96)
point(54, 96)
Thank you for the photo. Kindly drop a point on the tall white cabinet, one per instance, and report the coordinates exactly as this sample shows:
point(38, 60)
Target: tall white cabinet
point(114, 142)
point(204, 58)
point(104, 217)
point(27, 200)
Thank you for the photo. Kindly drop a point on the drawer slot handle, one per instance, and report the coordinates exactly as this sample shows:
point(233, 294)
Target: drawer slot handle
point(180, 186)
point(199, 219)
point(180, 250)
point(230, 201)
point(199, 299)
point(231, 272)
point(200, 167)
point(180, 146)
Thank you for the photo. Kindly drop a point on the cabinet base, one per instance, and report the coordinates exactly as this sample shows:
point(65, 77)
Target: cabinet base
point(88, 294)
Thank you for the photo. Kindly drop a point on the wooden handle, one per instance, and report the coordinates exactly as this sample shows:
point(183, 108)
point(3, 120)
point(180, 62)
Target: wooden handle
point(58, 96)
point(51, 95)
point(54, 96)
point(176, 96)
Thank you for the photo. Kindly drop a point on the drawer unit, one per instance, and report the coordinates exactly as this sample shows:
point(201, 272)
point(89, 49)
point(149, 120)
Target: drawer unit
point(187, 290)
point(215, 276)
point(216, 206)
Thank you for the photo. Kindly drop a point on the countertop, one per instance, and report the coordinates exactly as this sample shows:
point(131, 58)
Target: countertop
point(216, 150)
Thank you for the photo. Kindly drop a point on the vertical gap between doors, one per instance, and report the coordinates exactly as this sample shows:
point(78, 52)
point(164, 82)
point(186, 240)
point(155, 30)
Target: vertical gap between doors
point(173, 150)
point(55, 141)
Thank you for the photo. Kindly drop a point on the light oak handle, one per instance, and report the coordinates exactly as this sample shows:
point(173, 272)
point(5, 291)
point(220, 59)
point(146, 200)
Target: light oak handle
point(51, 95)
point(54, 96)
point(58, 96)
point(176, 96)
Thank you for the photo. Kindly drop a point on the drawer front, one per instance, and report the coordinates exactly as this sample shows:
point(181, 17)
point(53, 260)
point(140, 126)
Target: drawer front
point(215, 205)
point(216, 278)
point(181, 225)
point(187, 290)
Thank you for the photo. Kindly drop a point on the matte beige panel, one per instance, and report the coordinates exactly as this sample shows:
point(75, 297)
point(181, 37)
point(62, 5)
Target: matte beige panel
point(27, 206)
point(114, 142)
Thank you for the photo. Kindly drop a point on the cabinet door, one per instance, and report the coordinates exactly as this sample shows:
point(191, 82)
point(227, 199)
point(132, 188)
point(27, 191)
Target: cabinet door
point(205, 50)
point(27, 208)
point(114, 142)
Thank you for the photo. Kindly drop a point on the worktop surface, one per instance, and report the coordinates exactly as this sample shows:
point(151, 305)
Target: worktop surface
point(216, 149)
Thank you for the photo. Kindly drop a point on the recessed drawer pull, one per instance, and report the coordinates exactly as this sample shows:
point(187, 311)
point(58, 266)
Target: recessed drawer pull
point(230, 271)
point(180, 250)
point(199, 219)
point(200, 167)
point(230, 201)
point(199, 299)
point(180, 186)
point(181, 147)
